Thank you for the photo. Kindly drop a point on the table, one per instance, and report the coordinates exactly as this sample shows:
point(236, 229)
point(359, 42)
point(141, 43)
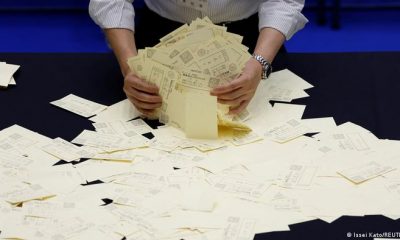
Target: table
point(359, 87)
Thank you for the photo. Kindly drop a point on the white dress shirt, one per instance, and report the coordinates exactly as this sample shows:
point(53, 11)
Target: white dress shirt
point(283, 15)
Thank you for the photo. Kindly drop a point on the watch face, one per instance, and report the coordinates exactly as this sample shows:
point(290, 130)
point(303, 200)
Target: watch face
point(264, 75)
point(266, 71)
point(269, 70)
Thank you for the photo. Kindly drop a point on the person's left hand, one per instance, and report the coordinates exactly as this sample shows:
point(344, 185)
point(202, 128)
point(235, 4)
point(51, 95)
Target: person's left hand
point(239, 92)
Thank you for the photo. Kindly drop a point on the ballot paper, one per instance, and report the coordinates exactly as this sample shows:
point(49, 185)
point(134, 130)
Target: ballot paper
point(230, 123)
point(165, 143)
point(349, 138)
point(110, 142)
point(131, 128)
point(120, 111)
point(286, 86)
point(64, 150)
point(242, 187)
point(20, 141)
point(12, 81)
point(239, 228)
point(198, 196)
point(319, 124)
point(203, 145)
point(394, 186)
point(121, 156)
point(200, 116)
point(365, 172)
point(186, 65)
point(287, 131)
point(10, 160)
point(205, 175)
point(240, 138)
point(298, 176)
point(19, 193)
point(172, 186)
point(78, 105)
point(6, 74)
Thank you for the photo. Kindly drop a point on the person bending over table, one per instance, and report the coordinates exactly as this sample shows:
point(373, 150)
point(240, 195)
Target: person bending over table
point(264, 24)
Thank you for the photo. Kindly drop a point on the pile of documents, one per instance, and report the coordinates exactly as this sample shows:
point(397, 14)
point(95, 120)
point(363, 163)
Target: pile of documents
point(6, 74)
point(171, 187)
point(186, 65)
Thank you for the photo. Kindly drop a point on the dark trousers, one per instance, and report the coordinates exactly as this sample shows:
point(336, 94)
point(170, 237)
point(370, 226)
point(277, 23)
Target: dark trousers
point(150, 27)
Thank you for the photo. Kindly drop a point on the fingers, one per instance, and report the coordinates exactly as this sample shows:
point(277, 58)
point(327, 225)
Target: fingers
point(141, 85)
point(239, 92)
point(226, 88)
point(238, 109)
point(146, 113)
point(143, 104)
point(143, 96)
point(229, 96)
point(144, 109)
point(232, 93)
point(234, 102)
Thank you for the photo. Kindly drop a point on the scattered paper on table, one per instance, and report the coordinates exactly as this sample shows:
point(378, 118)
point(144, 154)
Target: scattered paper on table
point(78, 105)
point(120, 111)
point(287, 131)
point(365, 172)
point(6, 74)
point(174, 187)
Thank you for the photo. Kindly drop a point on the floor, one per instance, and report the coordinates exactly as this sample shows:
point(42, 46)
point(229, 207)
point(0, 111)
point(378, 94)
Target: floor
point(74, 31)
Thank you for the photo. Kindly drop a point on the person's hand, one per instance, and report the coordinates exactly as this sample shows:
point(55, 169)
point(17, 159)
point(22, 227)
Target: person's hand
point(239, 92)
point(143, 95)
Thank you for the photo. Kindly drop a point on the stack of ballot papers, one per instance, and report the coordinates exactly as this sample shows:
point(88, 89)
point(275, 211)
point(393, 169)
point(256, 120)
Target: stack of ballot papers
point(172, 187)
point(186, 65)
point(6, 74)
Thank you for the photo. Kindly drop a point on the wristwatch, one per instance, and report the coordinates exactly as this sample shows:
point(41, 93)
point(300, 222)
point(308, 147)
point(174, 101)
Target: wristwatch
point(266, 66)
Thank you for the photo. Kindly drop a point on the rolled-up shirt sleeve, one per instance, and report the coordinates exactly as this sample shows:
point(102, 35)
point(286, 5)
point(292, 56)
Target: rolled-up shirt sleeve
point(113, 14)
point(282, 15)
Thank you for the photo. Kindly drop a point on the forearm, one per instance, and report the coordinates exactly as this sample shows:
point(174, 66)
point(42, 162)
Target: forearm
point(122, 42)
point(269, 42)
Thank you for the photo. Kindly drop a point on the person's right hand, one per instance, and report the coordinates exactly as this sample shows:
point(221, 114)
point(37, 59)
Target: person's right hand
point(142, 94)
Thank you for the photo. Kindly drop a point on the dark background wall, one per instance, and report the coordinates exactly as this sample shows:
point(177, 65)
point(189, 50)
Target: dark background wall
point(82, 4)
point(65, 26)
point(50, 4)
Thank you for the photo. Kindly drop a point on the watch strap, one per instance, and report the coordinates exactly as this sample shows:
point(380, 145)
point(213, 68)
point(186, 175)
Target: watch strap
point(266, 66)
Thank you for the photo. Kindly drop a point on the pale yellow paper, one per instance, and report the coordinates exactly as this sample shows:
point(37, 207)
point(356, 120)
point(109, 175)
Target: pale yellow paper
point(201, 115)
point(6, 73)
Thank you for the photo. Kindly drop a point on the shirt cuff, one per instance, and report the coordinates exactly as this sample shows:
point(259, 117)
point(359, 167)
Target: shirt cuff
point(283, 17)
point(113, 14)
